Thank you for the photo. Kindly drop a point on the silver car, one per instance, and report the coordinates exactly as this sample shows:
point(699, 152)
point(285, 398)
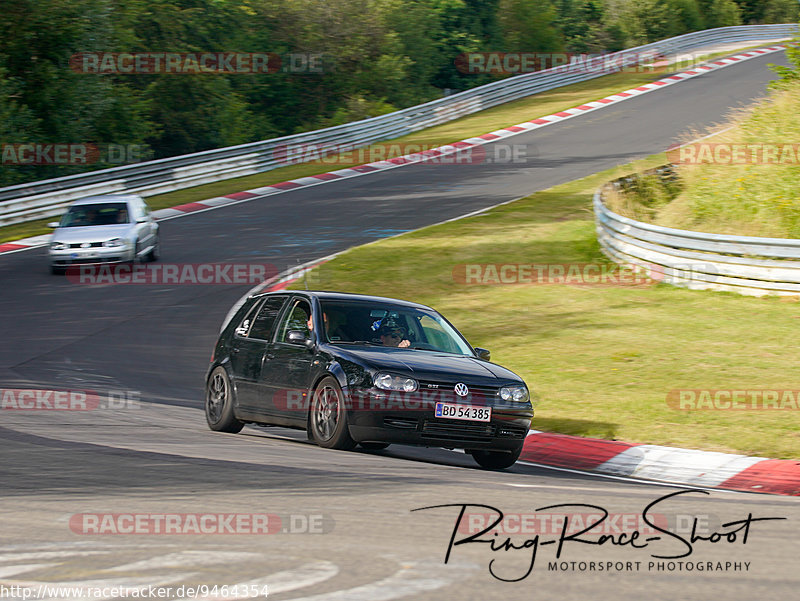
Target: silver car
point(114, 228)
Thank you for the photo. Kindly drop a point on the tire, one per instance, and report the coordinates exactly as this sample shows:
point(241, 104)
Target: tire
point(328, 417)
point(496, 460)
point(373, 446)
point(219, 403)
point(155, 252)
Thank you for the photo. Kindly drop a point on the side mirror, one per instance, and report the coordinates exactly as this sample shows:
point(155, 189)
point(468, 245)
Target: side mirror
point(483, 353)
point(298, 337)
point(53, 224)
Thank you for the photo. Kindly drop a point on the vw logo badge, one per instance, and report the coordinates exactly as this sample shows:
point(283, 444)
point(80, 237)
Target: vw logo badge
point(461, 389)
point(86, 245)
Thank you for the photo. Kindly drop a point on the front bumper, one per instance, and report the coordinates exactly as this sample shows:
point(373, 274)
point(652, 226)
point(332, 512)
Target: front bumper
point(90, 256)
point(415, 423)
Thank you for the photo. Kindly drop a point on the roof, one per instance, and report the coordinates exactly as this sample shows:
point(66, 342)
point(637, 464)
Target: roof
point(106, 198)
point(331, 295)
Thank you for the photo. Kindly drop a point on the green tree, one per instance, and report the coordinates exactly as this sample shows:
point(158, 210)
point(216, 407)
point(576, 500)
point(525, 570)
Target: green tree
point(529, 26)
point(721, 13)
point(781, 11)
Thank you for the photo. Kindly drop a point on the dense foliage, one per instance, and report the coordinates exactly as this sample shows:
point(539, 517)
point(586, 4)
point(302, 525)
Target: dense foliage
point(379, 55)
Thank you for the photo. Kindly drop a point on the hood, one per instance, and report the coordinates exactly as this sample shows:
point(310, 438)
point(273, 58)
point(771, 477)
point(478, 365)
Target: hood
point(430, 366)
point(92, 233)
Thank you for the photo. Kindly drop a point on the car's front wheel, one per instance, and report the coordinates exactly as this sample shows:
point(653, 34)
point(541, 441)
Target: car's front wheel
point(328, 417)
point(155, 252)
point(496, 460)
point(219, 403)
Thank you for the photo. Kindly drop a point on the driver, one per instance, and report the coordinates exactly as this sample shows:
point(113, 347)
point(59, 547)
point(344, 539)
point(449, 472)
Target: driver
point(394, 335)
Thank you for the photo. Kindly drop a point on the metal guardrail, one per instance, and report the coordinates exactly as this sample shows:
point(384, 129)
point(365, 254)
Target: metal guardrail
point(745, 264)
point(25, 202)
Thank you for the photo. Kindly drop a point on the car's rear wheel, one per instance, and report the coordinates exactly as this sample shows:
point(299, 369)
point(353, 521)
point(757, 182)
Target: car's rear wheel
point(373, 446)
point(219, 403)
point(496, 460)
point(328, 417)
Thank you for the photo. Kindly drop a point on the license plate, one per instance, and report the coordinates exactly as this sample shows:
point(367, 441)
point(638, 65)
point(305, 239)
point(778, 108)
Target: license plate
point(467, 412)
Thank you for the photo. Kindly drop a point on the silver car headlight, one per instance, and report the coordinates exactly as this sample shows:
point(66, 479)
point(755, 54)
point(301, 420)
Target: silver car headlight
point(386, 381)
point(59, 246)
point(517, 393)
point(114, 242)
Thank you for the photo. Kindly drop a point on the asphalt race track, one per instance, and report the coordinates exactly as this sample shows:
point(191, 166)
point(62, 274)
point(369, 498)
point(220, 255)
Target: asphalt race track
point(341, 525)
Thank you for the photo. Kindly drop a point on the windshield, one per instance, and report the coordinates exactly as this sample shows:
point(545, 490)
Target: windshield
point(385, 324)
point(107, 213)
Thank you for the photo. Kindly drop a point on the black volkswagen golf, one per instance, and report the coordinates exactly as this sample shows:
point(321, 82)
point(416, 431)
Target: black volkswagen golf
point(363, 370)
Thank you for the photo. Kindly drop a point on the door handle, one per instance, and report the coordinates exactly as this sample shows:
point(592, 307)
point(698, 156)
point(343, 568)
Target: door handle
point(235, 349)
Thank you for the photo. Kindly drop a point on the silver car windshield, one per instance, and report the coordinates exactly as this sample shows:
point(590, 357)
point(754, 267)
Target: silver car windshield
point(107, 213)
point(384, 324)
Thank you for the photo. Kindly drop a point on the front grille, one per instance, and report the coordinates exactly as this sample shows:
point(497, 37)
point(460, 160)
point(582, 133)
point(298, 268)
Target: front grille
point(457, 430)
point(480, 395)
point(511, 431)
point(67, 262)
point(91, 244)
point(402, 423)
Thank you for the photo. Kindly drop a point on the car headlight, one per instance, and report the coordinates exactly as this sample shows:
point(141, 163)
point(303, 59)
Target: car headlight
point(113, 242)
point(517, 393)
point(58, 246)
point(386, 381)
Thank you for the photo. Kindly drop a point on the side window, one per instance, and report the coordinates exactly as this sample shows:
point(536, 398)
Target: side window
point(264, 323)
point(435, 335)
point(137, 211)
point(296, 319)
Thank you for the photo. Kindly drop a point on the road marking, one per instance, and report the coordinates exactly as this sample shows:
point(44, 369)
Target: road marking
point(183, 559)
point(6, 571)
point(412, 578)
point(45, 555)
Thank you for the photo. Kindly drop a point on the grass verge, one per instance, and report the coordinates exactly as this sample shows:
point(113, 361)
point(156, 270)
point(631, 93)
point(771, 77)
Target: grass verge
point(602, 360)
point(746, 180)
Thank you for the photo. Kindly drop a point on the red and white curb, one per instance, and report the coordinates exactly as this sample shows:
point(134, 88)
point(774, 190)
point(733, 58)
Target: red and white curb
point(663, 464)
point(434, 153)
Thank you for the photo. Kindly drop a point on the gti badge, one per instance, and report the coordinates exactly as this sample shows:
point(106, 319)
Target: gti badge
point(461, 389)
